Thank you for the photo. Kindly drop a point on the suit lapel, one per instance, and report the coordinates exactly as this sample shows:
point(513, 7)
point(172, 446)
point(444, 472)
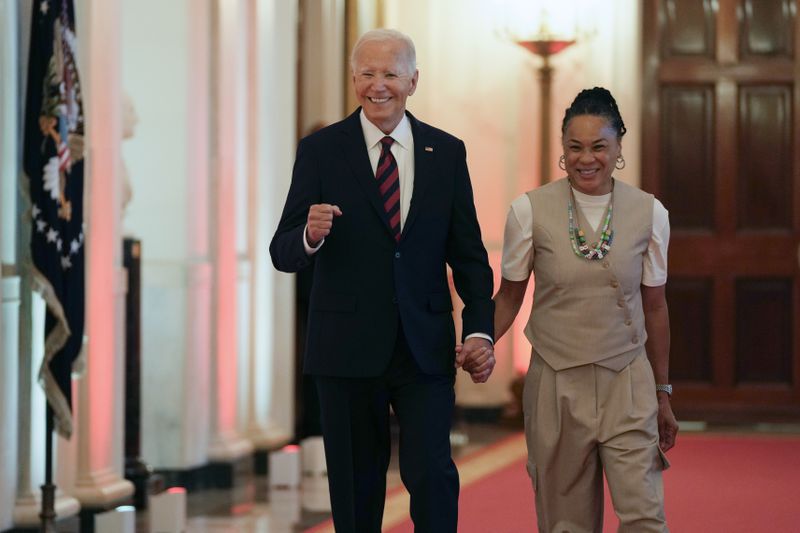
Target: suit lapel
point(356, 153)
point(423, 169)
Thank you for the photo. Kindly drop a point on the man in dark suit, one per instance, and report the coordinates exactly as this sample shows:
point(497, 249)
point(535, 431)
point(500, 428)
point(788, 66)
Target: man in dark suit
point(383, 203)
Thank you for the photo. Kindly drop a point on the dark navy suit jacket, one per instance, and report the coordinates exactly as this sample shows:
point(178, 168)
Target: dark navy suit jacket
point(365, 284)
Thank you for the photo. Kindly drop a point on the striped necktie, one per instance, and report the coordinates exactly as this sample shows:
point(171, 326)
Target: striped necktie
point(388, 179)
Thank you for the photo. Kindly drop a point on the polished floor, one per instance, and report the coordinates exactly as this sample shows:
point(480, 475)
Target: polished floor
point(478, 448)
point(255, 509)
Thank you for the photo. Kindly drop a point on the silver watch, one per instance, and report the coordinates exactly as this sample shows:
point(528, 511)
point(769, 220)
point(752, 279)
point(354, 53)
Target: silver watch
point(666, 388)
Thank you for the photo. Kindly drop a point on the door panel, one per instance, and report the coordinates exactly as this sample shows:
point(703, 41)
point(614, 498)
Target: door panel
point(690, 298)
point(688, 29)
point(690, 192)
point(764, 198)
point(767, 28)
point(721, 149)
point(763, 356)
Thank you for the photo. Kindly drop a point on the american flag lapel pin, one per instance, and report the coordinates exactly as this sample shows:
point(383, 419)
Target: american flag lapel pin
point(429, 148)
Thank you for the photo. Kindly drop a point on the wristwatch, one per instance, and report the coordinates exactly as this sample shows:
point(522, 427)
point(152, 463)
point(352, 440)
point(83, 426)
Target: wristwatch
point(666, 388)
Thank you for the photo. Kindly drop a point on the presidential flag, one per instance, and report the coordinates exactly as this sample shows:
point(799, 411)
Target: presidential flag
point(53, 164)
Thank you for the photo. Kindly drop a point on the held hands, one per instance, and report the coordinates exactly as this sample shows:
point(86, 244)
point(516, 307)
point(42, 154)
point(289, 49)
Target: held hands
point(667, 425)
point(476, 356)
point(320, 222)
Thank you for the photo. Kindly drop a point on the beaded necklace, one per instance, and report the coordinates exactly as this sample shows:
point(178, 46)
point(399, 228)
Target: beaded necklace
point(577, 237)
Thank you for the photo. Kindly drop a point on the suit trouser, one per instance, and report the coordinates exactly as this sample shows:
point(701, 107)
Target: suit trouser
point(588, 419)
point(355, 427)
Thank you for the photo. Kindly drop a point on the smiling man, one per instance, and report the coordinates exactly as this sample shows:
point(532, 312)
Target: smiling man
point(382, 204)
point(384, 76)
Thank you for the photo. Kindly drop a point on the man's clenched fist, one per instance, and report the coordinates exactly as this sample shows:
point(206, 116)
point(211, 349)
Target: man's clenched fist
point(320, 222)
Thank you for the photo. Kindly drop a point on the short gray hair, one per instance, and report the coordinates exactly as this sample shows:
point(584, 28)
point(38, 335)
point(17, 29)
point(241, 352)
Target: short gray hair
point(382, 35)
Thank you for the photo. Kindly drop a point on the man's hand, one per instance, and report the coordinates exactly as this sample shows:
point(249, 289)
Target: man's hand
point(320, 222)
point(476, 356)
point(667, 425)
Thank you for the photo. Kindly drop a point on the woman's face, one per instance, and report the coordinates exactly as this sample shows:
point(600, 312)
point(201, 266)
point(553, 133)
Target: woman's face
point(591, 148)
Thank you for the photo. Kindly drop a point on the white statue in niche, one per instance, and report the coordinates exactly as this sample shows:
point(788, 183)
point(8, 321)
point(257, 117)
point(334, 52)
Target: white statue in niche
point(129, 121)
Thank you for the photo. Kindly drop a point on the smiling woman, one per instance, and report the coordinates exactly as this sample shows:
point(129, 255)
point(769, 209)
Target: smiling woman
point(599, 326)
point(591, 148)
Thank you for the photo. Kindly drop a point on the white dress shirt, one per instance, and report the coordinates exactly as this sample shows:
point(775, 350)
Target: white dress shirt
point(518, 247)
point(403, 152)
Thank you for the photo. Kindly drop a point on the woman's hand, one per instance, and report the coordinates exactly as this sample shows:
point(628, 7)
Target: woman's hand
point(667, 425)
point(476, 356)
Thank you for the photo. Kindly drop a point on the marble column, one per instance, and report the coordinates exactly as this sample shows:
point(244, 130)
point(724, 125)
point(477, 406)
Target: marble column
point(228, 124)
point(325, 73)
point(9, 327)
point(99, 481)
point(271, 416)
point(246, 206)
point(257, 424)
point(165, 69)
point(9, 281)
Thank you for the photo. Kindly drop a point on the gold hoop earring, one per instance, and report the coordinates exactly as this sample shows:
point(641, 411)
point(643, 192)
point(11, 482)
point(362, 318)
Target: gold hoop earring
point(619, 164)
point(562, 162)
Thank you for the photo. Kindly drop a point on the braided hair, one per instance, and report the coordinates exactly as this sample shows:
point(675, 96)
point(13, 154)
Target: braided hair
point(598, 102)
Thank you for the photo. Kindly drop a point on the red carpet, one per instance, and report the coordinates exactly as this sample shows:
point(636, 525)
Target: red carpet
point(717, 483)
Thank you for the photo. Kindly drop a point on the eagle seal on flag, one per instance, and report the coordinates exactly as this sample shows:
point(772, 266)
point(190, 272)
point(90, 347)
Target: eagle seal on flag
point(53, 162)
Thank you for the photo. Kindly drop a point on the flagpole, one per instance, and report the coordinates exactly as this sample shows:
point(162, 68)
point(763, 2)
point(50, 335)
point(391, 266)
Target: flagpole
point(53, 163)
point(48, 513)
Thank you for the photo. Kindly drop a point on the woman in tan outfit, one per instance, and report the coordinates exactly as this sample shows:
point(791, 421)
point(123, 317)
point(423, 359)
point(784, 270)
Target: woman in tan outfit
point(596, 395)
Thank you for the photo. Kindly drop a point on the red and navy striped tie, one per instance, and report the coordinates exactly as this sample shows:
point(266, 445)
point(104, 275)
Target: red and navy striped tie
point(388, 179)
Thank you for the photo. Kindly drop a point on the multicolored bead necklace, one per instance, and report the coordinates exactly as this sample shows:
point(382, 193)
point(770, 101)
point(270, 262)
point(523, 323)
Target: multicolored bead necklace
point(577, 237)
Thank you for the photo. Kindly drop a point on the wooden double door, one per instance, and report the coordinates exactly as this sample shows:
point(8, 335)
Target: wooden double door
point(721, 149)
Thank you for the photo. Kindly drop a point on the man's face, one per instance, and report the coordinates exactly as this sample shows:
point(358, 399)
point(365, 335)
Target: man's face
point(382, 82)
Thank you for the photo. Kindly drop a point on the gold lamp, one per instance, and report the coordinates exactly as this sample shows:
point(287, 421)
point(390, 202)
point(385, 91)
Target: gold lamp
point(545, 44)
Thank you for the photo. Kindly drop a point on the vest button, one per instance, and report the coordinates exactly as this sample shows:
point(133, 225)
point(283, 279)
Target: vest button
point(628, 322)
point(635, 340)
point(614, 283)
point(606, 264)
point(397, 255)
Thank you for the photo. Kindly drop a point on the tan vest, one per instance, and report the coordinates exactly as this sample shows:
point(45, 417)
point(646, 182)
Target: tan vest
point(588, 311)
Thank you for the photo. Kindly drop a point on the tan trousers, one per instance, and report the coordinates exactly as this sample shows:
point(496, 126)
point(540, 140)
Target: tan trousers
point(585, 420)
